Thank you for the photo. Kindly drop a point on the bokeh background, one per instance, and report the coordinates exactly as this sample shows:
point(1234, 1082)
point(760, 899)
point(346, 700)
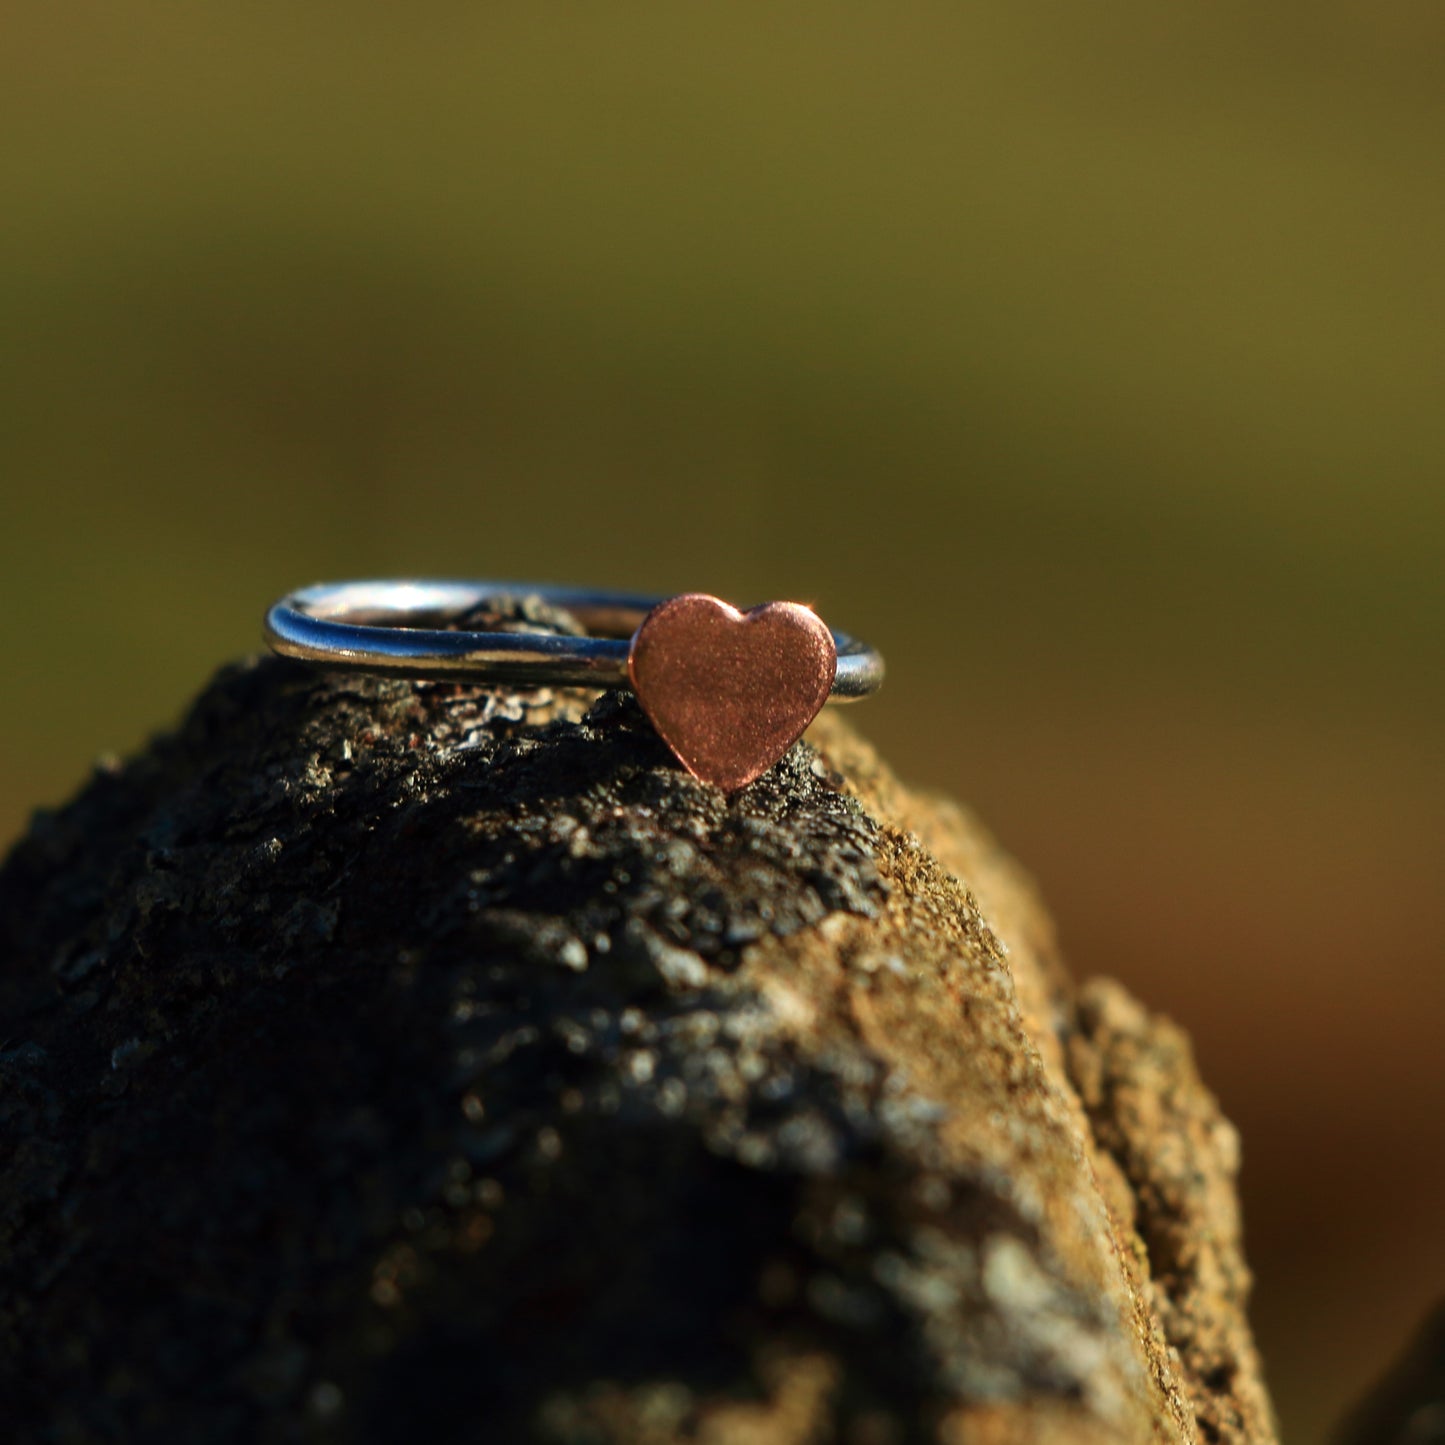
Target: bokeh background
point(1088, 359)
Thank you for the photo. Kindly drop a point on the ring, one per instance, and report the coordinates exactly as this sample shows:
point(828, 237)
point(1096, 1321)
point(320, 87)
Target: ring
point(728, 691)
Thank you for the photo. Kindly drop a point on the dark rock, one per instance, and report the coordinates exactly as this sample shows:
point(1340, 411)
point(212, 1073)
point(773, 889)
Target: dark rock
point(1407, 1407)
point(417, 1062)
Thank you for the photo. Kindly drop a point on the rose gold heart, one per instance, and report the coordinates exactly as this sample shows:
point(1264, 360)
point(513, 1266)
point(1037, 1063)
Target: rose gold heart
point(730, 692)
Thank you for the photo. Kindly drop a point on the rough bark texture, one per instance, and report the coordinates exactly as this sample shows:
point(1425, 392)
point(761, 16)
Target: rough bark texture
point(388, 1062)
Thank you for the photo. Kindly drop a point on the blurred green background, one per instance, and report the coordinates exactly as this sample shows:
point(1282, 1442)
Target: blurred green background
point(1087, 360)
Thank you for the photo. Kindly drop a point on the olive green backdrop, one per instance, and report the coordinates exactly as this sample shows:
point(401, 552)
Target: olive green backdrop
point(1087, 359)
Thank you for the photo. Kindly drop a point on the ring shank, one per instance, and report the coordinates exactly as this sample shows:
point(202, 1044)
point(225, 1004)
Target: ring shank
point(370, 626)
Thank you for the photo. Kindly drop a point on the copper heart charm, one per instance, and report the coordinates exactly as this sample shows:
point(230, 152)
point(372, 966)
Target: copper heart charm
point(730, 692)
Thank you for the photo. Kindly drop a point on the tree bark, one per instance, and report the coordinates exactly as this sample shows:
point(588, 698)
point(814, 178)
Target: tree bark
point(386, 1061)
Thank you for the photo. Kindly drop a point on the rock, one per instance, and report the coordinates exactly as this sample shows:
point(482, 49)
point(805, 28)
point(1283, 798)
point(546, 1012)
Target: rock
point(1407, 1407)
point(388, 1061)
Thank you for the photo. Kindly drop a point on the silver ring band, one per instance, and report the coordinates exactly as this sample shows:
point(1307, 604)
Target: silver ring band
point(374, 627)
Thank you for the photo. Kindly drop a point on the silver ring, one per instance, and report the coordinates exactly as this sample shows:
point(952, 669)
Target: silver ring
point(389, 627)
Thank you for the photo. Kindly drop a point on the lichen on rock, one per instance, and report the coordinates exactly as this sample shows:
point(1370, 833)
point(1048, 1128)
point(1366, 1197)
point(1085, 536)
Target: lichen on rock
point(413, 1061)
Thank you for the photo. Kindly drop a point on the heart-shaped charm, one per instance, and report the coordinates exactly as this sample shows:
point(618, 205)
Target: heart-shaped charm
point(730, 692)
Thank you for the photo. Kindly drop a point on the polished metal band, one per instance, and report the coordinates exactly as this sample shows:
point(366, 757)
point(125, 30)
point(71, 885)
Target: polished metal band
point(391, 628)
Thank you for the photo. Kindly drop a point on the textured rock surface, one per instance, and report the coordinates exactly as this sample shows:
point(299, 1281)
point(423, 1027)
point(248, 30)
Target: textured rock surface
point(386, 1062)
